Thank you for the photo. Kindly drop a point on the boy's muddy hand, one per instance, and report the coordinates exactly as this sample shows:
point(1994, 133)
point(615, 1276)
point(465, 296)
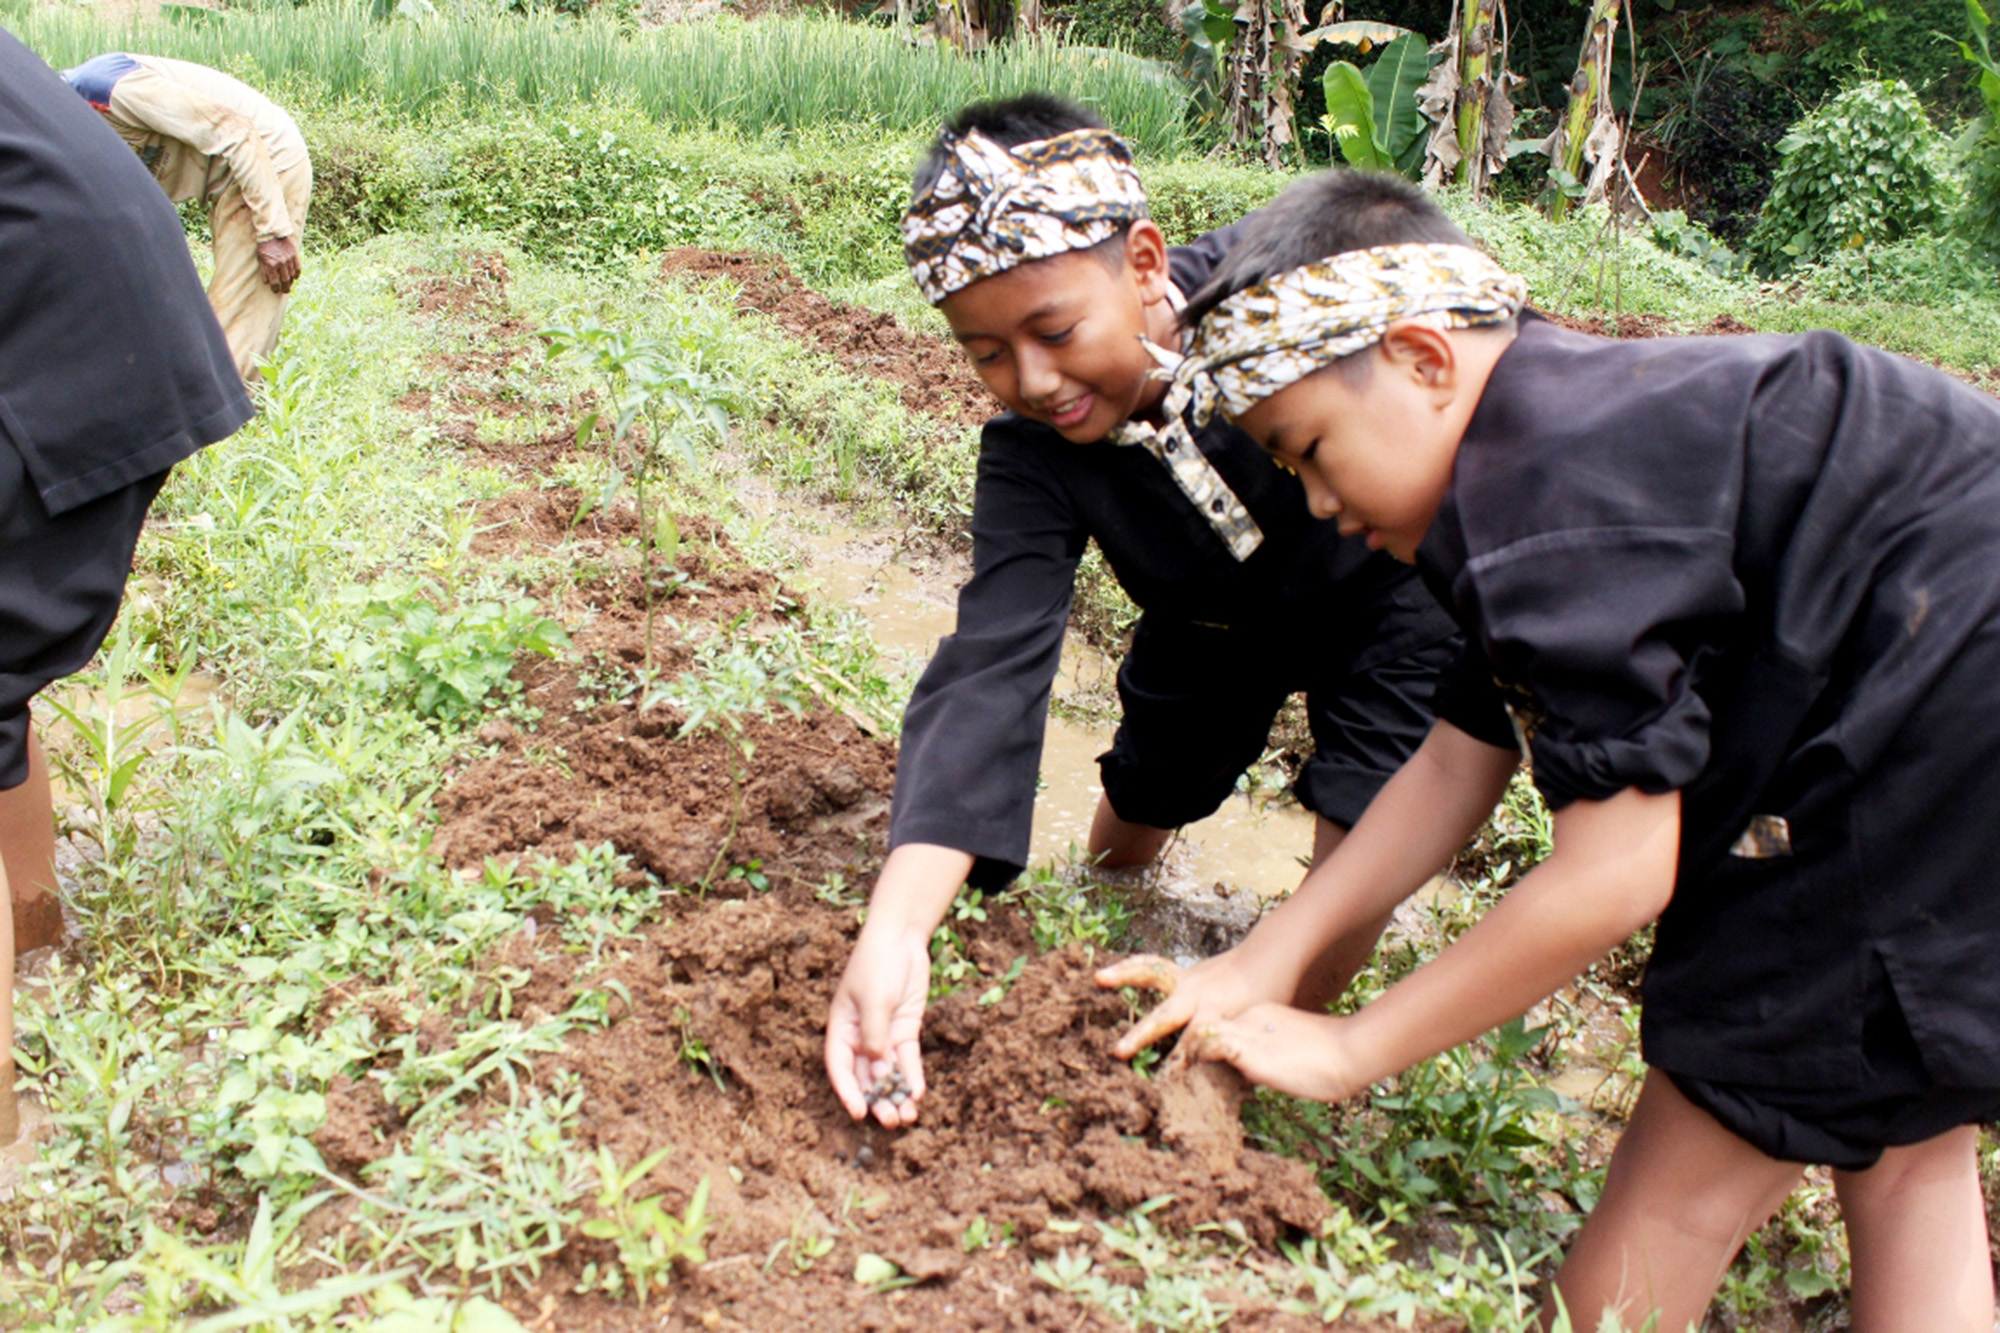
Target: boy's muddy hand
point(1280, 1047)
point(1212, 989)
point(872, 1057)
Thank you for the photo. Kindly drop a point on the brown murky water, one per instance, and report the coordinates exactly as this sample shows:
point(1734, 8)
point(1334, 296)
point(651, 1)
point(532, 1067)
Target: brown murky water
point(910, 602)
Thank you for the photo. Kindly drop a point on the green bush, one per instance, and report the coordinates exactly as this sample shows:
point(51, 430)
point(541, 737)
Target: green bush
point(1979, 218)
point(1863, 170)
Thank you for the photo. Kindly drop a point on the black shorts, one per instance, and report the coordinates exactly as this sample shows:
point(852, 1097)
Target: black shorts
point(1896, 1105)
point(1199, 700)
point(61, 580)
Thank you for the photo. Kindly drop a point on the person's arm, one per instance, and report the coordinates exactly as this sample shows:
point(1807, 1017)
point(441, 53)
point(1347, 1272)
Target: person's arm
point(1410, 832)
point(153, 101)
point(965, 774)
point(1612, 871)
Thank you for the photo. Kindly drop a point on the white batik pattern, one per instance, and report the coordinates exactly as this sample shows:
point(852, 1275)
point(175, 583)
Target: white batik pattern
point(993, 208)
point(1277, 332)
point(1174, 445)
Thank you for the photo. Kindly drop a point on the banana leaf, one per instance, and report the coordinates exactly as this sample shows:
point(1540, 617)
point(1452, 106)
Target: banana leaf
point(1350, 118)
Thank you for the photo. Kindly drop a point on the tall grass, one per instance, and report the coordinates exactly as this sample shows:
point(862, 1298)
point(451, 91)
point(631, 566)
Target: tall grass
point(786, 74)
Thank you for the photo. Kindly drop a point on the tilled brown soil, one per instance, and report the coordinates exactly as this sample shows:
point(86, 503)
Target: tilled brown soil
point(1658, 326)
point(931, 375)
point(1030, 1126)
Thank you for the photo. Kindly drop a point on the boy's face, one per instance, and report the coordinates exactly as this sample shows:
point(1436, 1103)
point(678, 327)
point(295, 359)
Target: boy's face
point(1057, 339)
point(1373, 445)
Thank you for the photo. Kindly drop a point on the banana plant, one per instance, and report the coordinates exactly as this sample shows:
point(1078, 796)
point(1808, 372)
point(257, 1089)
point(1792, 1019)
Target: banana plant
point(1468, 98)
point(1589, 132)
point(1373, 115)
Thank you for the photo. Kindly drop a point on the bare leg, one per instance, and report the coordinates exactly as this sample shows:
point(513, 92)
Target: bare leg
point(1916, 1230)
point(1681, 1196)
point(1118, 845)
point(28, 847)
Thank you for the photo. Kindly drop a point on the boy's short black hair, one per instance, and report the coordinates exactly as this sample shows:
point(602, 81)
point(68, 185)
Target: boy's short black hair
point(1324, 215)
point(1009, 122)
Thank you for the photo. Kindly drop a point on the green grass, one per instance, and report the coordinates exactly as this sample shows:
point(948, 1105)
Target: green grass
point(793, 74)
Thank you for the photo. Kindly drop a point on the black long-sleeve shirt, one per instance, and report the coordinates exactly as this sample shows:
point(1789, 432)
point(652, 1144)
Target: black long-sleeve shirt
point(972, 734)
point(1763, 572)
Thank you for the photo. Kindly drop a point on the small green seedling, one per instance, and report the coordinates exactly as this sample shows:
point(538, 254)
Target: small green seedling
point(650, 1239)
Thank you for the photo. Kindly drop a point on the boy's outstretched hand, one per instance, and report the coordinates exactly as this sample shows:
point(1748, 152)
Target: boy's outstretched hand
point(1280, 1047)
point(872, 1056)
point(1213, 989)
point(1230, 1018)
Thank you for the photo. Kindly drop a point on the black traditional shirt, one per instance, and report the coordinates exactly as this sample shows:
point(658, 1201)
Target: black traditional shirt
point(1764, 572)
point(112, 367)
point(972, 734)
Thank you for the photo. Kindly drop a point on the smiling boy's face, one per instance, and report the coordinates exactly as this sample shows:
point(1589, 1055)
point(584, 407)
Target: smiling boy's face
point(1057, 339)
point(1374, 443)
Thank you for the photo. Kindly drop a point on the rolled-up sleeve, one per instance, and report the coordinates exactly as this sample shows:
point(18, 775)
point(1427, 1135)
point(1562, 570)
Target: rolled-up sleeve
point(972, 734)
point(1593, 636)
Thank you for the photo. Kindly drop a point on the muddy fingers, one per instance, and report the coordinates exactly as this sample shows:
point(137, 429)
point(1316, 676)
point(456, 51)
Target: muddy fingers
point(1146, 970)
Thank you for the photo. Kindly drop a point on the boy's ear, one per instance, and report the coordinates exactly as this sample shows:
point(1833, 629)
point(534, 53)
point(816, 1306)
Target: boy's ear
point(1422, 351)
point(1146, 255)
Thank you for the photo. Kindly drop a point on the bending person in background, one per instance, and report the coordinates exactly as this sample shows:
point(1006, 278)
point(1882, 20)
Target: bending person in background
point(207, 136)
point(112, 370)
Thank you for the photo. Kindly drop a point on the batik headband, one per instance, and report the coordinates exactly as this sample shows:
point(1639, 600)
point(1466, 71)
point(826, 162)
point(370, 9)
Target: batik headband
point(993, 208)
point(1276, 332)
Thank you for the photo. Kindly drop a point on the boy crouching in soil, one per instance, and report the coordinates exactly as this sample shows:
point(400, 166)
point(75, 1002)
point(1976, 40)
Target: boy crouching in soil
point(1735, 599)
point(1029, 231)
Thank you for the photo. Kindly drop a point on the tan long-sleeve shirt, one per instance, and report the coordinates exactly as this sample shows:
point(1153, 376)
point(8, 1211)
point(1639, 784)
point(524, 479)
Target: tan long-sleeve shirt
point(198, 130)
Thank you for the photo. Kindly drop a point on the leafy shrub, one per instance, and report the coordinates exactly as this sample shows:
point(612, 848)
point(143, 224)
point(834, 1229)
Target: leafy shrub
point(445, 663)
point(1863, 170)
point(1188, 198)
point(1677, 234)
point(1137, 26)
point(1946, 272)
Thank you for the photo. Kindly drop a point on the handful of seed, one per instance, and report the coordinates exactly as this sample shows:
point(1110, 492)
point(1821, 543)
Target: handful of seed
point(892, 1088)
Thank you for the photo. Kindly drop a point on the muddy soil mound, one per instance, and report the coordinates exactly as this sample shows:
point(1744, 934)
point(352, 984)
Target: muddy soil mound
point(812, 801)
point(931, 375)
point(1644, 326)
point(1029, 1123)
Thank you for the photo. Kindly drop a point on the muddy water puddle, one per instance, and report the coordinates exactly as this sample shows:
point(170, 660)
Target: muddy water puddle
point(1248, 850)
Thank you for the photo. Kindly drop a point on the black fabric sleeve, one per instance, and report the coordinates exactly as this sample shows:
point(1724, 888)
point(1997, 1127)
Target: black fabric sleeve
point(972, 734)
point(1596, 630)
point(112, 367)
point(1193, 264)
point(1467, 698)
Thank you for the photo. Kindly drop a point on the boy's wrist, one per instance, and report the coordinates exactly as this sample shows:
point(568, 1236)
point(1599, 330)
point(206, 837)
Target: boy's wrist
point(915, 889)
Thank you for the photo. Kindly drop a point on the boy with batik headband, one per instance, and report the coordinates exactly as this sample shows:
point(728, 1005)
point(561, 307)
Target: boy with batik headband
point(1735, 599)
point(1029, 231)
